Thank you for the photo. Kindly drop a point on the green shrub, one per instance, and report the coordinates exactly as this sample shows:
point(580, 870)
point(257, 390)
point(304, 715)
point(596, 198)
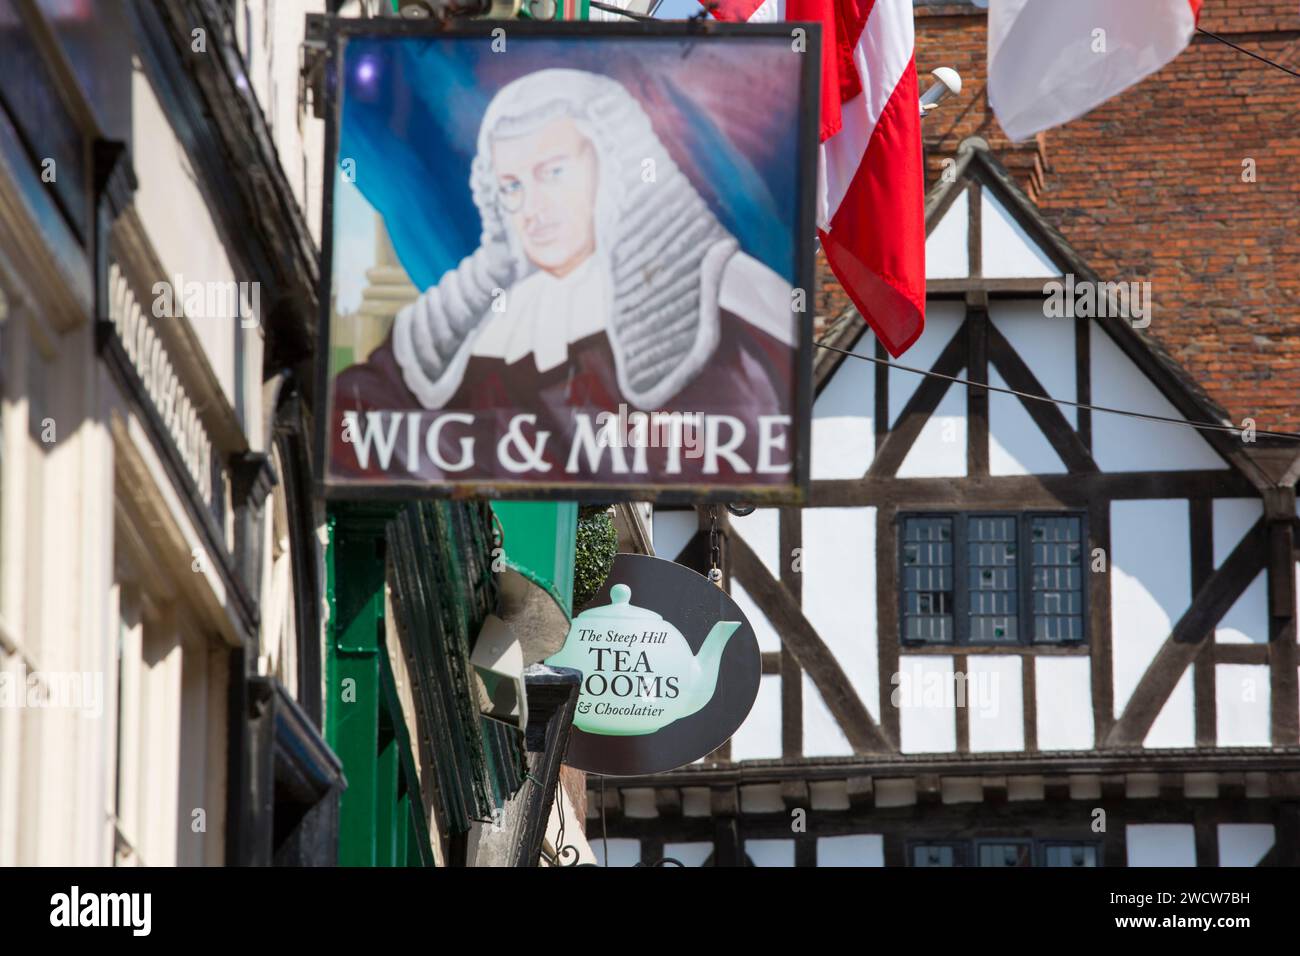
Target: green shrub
point(597, 543)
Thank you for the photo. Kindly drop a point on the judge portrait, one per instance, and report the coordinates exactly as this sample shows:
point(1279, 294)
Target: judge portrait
point(602, 281)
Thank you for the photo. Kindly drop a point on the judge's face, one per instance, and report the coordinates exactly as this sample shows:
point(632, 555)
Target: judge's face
point(546, 183)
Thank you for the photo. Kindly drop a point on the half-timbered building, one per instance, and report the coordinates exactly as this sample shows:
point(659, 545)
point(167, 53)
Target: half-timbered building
point(1005, 631)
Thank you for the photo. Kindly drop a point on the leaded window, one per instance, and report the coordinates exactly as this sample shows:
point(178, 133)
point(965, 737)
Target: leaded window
point(1056, 553)
point(1007, 853)
point(1004, 852)
point(928, 580)
point(990, 579)
point(938, 854)
point(1070, 854)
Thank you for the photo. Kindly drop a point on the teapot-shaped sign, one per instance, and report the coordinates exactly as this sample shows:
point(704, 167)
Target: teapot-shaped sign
point(639, 674)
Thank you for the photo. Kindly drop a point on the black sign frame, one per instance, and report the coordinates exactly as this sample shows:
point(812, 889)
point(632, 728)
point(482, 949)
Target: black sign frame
point(334, 31)
point(699, 603)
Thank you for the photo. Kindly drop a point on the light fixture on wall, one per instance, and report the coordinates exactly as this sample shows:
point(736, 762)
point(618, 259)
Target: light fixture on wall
point(947, 82)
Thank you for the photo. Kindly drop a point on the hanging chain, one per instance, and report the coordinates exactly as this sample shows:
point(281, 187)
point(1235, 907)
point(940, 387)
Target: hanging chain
point(715, 547)
point(565, 854)
point(604, 834)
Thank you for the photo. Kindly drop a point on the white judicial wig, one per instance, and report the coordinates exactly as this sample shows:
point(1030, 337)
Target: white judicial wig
point(664, 264)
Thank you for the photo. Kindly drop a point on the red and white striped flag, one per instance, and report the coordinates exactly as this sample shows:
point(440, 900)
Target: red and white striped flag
point(1052, 62)
point(871, 183)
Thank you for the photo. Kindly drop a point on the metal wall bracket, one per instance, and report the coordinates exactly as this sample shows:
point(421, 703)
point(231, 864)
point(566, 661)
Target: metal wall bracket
point(312, 57)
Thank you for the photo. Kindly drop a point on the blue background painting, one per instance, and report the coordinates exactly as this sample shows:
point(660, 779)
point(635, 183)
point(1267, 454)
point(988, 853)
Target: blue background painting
point(727, 110)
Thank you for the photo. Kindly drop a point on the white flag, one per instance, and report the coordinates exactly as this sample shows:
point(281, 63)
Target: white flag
point(1051, 61)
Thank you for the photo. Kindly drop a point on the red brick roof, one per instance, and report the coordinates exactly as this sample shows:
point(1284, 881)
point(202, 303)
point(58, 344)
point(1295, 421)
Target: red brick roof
point(1149, 187)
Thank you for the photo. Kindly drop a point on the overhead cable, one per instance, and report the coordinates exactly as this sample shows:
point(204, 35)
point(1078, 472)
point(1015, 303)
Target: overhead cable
point(1162, 419)
point(1250, 53)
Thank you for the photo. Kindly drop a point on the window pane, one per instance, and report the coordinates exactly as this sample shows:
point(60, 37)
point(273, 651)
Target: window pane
point(1005, 854)
point(1070, 854)
point(1056, 544)
point(927, 580)
point(991, 578)
point(934, 854)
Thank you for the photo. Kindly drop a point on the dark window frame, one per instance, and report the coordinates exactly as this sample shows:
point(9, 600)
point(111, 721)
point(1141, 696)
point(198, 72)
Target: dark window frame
point(1042, 846)
point(1024, 578)
point(960, 851)
point(966, 851)
point(1025, 842)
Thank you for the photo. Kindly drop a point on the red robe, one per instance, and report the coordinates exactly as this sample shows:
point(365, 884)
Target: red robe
point(750, 374)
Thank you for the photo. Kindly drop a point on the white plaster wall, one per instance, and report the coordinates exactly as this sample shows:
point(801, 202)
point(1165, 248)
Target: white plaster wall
point(1120, 443)
point(839, 592)
point(1045, 345)
point(1242, 702)
point(942, 320)
point(298, 135)
point(947, 255)
point(1176, 724)
point(1064, 703)
point(1247, 620)
point(672, 530)
point(1006, 249)
point(1232, 518)
point(160, 727)
point(927, 715)
point(843, 418)
point(1150, 584)
point(57, 586)
point(1161, 844)
point(768, 639)
point(995, 703)
point(865, 849)
point(271, 49)
point(759, 737)
point(180, 225)
point(622, 852)
point(822, 736)
point(1017, 446)
point(692, 854)
point(940, 449)
point(770, 852)
point(1244, 844)
point(761, 531)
